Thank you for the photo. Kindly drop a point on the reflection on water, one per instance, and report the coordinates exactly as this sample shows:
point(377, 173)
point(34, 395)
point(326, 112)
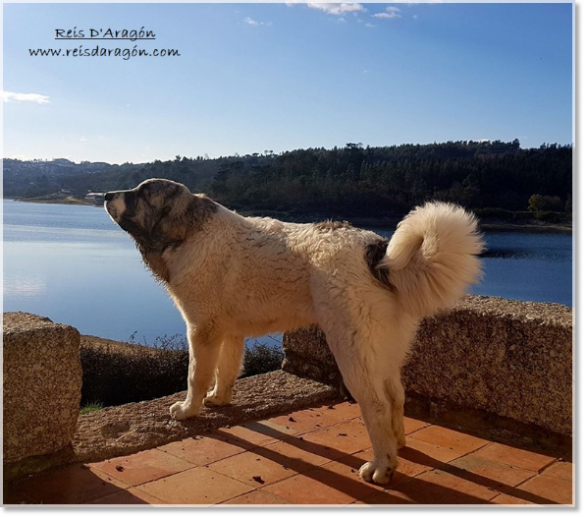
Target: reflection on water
point(60, 235)
point(503, 254)
point(27, 287)
point(539, 247)
point(74, 265)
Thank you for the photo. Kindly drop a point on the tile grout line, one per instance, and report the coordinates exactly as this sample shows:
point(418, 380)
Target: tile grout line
point(142, 488)
point(347, 420)
point(541, 471)
point(254, 488)
point(130, 485)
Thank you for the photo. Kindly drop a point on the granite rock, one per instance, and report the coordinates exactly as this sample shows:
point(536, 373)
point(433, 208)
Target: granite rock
point(42, 385)
point(496, 357)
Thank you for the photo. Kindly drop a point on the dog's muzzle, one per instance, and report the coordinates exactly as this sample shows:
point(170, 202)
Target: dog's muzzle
point(114, 205)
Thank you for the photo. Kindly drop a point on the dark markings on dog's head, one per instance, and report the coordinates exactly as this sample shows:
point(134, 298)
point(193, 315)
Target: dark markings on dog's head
point(329, 225)
point(373, 255)
point(161, 214)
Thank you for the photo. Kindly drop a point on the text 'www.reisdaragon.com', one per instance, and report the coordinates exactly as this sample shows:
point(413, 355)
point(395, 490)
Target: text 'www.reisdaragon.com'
point(98, 51)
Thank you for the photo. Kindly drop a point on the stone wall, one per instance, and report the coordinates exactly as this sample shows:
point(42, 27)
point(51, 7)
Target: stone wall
point(501, 367)
point(42, 386)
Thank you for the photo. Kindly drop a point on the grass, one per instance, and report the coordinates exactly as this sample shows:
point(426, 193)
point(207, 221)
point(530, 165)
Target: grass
point(91, 407)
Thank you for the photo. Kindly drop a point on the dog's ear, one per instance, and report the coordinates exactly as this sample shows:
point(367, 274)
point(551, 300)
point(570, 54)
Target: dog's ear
point(199, 210)
point(174, 224)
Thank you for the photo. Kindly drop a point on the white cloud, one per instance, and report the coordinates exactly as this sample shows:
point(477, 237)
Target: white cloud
point(389, 13)
point(250, 21)
point(338, 9)
point(34, 98)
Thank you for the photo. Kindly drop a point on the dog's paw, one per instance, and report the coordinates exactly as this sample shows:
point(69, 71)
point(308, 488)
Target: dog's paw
point(216, 400)
point(180, 411)
point(377, 474)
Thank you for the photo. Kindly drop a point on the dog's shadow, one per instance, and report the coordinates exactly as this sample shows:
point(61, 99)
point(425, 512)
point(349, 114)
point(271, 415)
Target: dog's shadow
point(402, 489)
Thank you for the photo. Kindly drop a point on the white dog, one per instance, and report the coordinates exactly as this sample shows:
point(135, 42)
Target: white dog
point(233, 277)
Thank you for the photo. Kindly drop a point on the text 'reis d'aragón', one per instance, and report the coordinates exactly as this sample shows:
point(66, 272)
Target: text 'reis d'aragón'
point(113, 34)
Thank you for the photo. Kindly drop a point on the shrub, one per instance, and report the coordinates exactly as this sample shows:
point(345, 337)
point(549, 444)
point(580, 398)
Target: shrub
point(261, 358)
point(551, 217)
point(520, 215)
point(114, 376)
point(538, 203)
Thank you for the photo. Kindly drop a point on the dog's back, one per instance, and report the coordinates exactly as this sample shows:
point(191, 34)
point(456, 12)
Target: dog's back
point(262, 271)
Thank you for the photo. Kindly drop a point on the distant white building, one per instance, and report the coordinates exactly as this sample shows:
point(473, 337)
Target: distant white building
point(95, 197)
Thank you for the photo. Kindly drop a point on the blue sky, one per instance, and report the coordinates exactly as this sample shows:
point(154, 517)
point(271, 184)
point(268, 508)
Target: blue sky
point(255, 77)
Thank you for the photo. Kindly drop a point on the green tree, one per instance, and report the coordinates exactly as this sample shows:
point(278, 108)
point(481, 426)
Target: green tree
point(539, 203)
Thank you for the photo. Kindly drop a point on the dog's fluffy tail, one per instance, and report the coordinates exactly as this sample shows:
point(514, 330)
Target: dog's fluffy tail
point(432, 257)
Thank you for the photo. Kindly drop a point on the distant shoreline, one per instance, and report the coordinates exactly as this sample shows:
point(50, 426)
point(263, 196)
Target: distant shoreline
point(497, 226)
point(383, 223)
point(69, 200)
point(527, 228)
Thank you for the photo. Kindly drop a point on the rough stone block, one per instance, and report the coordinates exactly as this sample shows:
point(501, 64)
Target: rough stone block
point(307, 355)
point(42, 385)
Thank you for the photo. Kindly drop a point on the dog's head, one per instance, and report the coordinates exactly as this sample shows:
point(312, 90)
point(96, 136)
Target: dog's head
point(159, 215)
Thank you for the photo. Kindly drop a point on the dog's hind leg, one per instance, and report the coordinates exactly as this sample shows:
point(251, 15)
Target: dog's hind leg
point(396, 396)
point(227, 370)
point(364, 375)
point(204, 349)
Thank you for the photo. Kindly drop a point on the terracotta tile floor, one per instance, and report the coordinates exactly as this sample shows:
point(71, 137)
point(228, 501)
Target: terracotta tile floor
point(308, 457)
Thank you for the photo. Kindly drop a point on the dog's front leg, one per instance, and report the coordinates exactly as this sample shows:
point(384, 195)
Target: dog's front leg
point(204, 349)
point(227, 370)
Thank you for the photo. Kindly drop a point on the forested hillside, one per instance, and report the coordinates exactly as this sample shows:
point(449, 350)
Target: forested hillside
point(350, 181)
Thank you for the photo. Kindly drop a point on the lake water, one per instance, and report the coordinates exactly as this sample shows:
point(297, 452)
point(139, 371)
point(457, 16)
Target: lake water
point(75, 266)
